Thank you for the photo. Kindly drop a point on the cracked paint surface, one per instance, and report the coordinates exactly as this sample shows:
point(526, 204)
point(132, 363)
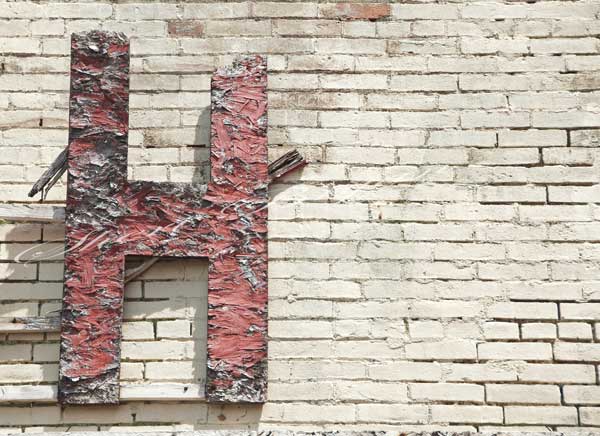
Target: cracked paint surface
point(109, 218)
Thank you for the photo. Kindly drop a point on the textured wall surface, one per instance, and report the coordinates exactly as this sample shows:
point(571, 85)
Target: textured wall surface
point(437, 264)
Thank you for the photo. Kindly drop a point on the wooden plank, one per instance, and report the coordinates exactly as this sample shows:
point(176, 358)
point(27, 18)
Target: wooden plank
point(37, 324)
point(162, 392)
point(129, 392)
point(28, 394)
point(32, 213)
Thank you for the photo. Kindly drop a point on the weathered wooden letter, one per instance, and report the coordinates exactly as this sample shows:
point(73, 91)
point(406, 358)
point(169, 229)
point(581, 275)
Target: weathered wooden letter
point(108, 218)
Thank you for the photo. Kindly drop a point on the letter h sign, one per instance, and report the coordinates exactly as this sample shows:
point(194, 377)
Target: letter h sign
point(109, 218)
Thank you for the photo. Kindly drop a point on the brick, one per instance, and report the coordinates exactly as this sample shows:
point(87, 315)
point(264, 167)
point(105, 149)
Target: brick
point(589, 415)
point(28, 373)
point(489, 372)
point(31, 291)
point(353, 11)
point(579, 311)
point(46, 352)
point(425, 120)
point(403, 63)
point(392, 413)
point(416, 83)
point(286, 27)
point(225, 45)
point(566, 45)
point(541, 252)
point(478, 212)
point(430, 392)
point(301, 329)
point(511, 194)
point(354, 119)
point(145, 11)
point(406, 101)
point(446, 350)
point(557, 373)
point(277, 9)
point(446, 309)
point(301, 309)
point(354, 46)
point(514, 156)
point(301, 349)
point(15, 28)
point(424, 11)
point(497, 119)
point(16, 352)
point(45, 415)
point(168, 370)
point(216, 10)
point(354, 81)
point(574, 331)
point(131, 371)
point(174, 329)
point(405, 371)
point(538, 331)
point(549, 213)
point(523, 311)
point(409, 212)
point(541, 414)
point(515, 351)
point(493, 46)
point(138, 28)
point(153, 46)
point(522, 394)
point(451, 156)
point(472, 101)
point(501, 330)
point(172, 350)
point(568, 156)
point(368, 390)
point(589, 395)
point(573, 231)
point(573, 119)
point(394, 250)
point(300, 391)
point(359, 29)
point(238, 27)
point(324, 369)
point(425, 329)
point(501, 82)
point(472, 414)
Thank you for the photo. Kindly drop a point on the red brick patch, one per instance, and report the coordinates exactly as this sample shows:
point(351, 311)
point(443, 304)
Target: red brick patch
point(186, 28)
point(357, 11)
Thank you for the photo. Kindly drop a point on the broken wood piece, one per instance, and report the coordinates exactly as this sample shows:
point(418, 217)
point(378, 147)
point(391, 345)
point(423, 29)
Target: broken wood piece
point(34, 324)
point(51, 175)
point(287, 163)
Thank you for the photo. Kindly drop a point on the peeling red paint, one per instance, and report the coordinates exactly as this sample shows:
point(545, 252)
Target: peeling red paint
point(109, 218)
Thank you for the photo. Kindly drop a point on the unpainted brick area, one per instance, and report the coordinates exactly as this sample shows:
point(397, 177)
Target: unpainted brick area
point(437, 265)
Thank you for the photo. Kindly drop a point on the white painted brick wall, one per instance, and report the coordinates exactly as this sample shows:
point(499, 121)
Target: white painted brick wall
point(436, 265)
